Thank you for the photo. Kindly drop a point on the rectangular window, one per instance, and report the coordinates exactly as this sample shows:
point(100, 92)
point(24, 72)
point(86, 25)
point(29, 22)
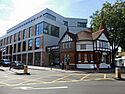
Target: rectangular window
point(37, 59)
point(24, 45)
point(10, 38)
point(81, 24)
point(91, 55)
point(7, 50)
point(30, 44)
point(85, 58)
point(19, 47)
point(65, 23)
point(50, 29)
point(50, 16)
point(19, 36)
point(24, 33)
point(30, 58)
point(79, 58)
point(15, 37)
point(37, 43)
point(14, 50)
point(39, 28)
point(30, 31)
point(83, 46)
point(24, 58)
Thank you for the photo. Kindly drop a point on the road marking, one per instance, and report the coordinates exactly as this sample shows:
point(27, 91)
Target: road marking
point(84, 77)
point(42, 88)
point(61, 78)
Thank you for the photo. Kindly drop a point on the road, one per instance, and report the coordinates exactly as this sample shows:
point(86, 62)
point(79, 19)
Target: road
point(55, 82)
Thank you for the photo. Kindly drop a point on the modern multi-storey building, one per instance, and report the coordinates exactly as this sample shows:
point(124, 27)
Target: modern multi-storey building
point(27, 41)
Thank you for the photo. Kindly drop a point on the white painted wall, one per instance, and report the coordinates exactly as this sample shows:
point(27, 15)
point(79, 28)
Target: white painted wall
point(67, 38)
point(103, 37)
point(89, 45)
point(85, 66)
point(92, 66)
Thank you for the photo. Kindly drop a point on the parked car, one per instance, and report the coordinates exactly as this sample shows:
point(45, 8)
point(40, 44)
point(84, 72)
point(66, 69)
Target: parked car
point(5, 62)
point(17, 65)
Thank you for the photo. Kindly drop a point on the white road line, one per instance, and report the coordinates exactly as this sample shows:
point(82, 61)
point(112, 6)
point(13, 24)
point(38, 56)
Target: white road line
point(42, 88)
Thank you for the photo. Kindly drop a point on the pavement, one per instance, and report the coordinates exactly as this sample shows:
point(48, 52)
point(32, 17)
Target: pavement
point(57, 68)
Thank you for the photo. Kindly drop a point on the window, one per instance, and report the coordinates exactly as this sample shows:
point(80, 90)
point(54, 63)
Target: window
point(37, 58)
point(24, 33)
point(82, 46)
point(14, 50)
point(85, 58)
point(19, 35)
point(30, 58)
point(30, 31)
point(24, 45)
point(37, 43)
point(19, 47)
point(91, 55)
point(39, 28)
point(65, 23)
point(30, 44)
point(10, 38)
point(79, 58)
point(15, 37)
point(66, 45)
point(7, 50)
point(50, 29)
point(81, 24)
point(50, 16)
point(24, 58)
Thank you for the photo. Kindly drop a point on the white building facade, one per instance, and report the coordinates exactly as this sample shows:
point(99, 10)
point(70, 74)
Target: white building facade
point(27, 41)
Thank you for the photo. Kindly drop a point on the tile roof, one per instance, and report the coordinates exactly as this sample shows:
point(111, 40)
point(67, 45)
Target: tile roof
point(84, 35)
point(95, 35)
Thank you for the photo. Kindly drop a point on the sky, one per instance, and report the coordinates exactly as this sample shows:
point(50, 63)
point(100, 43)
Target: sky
point(13, 12)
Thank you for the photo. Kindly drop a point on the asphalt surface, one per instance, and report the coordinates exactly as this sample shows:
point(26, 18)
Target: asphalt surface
point(47, 81)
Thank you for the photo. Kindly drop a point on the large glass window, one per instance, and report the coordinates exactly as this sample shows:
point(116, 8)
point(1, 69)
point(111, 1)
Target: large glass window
point(14, 50)
point(24, 33)
point(18, 57)
point(81, 24)
point(37, 43)
point(24, 58)
point(30, 58)
point(39, 28)
point(30, 44)
point(83, 46)
point(50, 16)
point(19, 35)
point(37, 59)
point(14, 37)
point(10, 38)
point(30, 31)
point(50, 29)
point(19, 47)
point(24, 45)
point(7, 50)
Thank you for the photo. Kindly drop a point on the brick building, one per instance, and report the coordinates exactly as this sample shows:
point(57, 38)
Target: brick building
point(85, 49)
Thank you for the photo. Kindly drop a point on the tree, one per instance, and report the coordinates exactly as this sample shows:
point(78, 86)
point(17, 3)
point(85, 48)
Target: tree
point(112, 17)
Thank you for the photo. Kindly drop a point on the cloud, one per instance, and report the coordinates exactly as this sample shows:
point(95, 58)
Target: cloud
point(6, 8)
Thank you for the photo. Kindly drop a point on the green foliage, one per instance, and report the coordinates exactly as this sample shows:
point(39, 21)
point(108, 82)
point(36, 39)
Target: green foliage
point(112, 16)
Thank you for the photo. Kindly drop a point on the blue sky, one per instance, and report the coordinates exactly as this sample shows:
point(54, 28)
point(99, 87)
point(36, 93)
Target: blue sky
point(13, 12)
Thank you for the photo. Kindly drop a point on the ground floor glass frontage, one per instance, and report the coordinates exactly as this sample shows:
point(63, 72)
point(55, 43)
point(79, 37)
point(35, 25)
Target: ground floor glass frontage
point(29, 58)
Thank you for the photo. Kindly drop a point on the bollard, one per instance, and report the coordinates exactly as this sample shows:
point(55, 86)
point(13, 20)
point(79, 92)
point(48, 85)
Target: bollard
point(25, 69)
point(117, 72)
